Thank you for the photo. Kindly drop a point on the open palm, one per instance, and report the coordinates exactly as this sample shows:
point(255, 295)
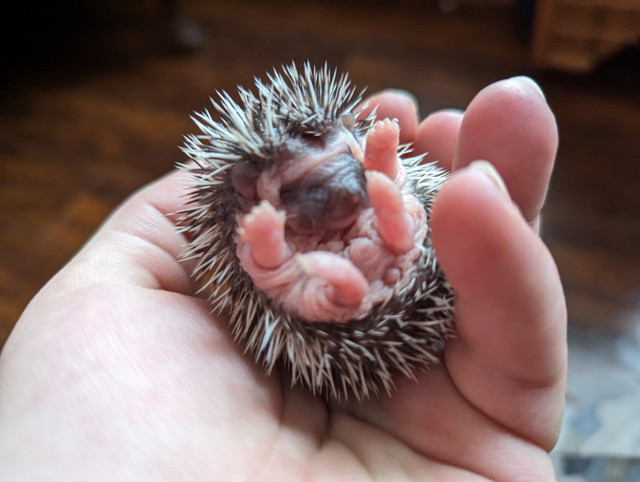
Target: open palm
point(117, 371)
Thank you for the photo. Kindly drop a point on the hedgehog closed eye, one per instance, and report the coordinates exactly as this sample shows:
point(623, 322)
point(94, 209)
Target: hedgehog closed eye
point(311, 228)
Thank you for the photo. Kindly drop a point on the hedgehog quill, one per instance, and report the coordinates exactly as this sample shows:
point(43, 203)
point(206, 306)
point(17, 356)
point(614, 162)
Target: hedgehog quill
point(309, 225)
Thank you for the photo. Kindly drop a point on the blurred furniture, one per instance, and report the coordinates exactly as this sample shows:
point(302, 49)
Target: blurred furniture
point(576, 34)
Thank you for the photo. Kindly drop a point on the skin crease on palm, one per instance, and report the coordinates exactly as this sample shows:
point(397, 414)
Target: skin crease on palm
point(117, 371)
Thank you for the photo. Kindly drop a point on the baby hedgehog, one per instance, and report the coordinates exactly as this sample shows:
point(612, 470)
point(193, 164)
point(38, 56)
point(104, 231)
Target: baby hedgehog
point(311, 234)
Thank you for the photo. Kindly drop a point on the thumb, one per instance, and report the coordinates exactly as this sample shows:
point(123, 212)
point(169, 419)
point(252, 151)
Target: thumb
point(138, 244)
point(510, 357)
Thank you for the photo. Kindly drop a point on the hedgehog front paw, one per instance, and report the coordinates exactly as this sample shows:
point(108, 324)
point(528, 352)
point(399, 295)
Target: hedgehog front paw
point(395, 225)
point(381, 150)
point(263, 231)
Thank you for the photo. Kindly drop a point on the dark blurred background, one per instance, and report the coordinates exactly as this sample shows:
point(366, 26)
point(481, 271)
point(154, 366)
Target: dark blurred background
point(95, 97)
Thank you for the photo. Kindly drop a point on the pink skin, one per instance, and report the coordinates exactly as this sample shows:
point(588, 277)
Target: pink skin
point(381, 151)
point(348, 285)
point(395, 225)
point(263, 230)
point(332, 280)
point(398, 105)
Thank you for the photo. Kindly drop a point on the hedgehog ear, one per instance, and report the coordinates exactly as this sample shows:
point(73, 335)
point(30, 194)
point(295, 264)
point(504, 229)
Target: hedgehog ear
point(348, 121)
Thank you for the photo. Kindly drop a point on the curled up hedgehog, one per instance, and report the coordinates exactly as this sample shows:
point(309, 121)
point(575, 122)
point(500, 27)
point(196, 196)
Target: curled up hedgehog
point(310, 229)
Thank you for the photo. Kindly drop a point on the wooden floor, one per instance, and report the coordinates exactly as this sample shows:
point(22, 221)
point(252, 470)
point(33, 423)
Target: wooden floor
point(94, 111)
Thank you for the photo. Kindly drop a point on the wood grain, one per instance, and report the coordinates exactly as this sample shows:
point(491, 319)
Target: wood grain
point(89, 117)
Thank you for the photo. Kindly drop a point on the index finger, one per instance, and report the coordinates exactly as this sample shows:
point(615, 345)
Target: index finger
point(394, 104)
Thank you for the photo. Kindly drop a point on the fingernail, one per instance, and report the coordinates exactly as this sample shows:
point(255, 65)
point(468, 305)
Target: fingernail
point(532, 83)
point(487, 169)
point(450, 110)
point(405, 93)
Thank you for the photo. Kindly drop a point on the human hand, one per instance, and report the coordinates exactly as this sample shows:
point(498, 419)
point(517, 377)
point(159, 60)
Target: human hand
point(116, 369)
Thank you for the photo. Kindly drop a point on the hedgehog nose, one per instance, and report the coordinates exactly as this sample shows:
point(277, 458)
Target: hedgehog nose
point(330, 196)
point(346, 199)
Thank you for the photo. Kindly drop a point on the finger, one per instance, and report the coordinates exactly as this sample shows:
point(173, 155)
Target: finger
point(437, 136)
point(395, 104)
point(509, 358)
point(431, 417)
point(510, 124)
point(139, 242)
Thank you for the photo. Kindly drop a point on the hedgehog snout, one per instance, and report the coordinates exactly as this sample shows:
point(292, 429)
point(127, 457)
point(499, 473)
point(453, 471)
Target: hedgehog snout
point(329, 196)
